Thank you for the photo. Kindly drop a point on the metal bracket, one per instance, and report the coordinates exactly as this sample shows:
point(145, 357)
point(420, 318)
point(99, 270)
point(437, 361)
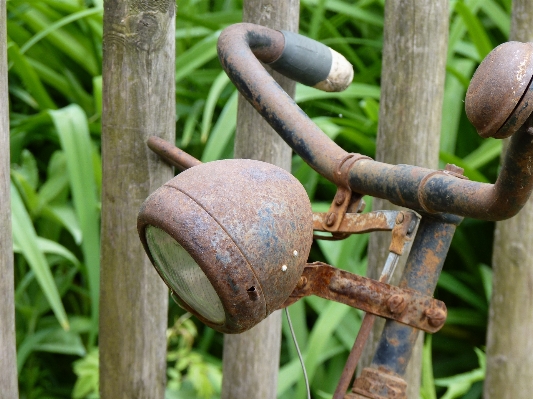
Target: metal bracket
point(404, 305)
point(345, 201)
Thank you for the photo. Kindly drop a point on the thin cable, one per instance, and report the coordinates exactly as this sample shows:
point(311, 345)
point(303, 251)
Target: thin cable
point(299, 353)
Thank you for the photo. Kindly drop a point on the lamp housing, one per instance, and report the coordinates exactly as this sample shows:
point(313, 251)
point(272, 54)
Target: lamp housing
point(230, 238)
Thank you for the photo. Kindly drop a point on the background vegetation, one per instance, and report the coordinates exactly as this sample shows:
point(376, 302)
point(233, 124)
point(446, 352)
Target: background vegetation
point(55, 55)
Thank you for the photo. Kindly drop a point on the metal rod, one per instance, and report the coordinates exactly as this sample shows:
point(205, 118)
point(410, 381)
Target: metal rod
point(172, 154)
point(421, 273)
point(364, 332)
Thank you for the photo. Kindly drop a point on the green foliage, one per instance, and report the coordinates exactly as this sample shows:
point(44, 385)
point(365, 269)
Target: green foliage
point(190, 375)
point(55, 51)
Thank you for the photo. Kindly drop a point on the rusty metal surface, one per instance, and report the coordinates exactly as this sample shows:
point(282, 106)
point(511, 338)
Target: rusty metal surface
point(344, 198)
point(400, 184)
point(355, 354)
point(378, 384)
point(369, 295)
point(248, 224)
point(404, 225)
point(357, 223)
point(402, 233)
point(498, 99)
point(421, 273)
point(172, 154)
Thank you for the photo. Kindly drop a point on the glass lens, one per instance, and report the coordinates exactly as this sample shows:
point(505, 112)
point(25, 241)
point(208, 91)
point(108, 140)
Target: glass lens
point(184, 275)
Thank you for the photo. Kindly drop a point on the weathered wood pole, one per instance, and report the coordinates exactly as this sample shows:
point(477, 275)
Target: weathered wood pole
point(138, 101)
point(509, 336)
point(412, 86)
point(8, 355)
point(251, 359)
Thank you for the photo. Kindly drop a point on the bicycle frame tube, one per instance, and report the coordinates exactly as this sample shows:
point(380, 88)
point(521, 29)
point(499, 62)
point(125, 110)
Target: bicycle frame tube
point(410, 186)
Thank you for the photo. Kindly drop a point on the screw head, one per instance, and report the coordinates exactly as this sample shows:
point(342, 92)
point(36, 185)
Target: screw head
point(331, 219)
point(396, 304)
point(400, 218)
point(339, 198)
point(436, 317)
point(284, 268)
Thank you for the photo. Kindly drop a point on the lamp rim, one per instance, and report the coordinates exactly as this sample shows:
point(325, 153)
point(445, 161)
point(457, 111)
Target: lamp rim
point(182, 218)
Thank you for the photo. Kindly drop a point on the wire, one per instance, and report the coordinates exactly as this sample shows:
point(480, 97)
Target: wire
point(299, 354)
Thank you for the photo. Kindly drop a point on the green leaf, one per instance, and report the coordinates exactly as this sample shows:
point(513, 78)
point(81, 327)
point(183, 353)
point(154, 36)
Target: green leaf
point(191, 122)
point(59, 24)
point(427, 390)
point(25, 238)
point(50, 247)
point(222, 131)
point(355, 90)
point(63, 342)
point(453, 285)
point(196, 56)
point(72, 128)
point(485, 153)
point(460, 384)
point(213, 96)
point(29, 77)
point(477, 33)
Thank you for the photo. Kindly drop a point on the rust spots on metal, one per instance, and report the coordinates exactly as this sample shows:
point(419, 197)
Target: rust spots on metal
point(172, 154)
point(363, 293)
point(436, 317)
point(242, 221)
point(378, 384)
point(498, 100)
point(396, 304)
point(401, 184)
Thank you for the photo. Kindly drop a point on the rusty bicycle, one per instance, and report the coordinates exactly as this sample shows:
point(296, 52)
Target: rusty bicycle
point(231, 238)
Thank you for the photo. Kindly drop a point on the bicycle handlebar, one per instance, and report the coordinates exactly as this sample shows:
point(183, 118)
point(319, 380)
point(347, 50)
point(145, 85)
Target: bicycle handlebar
point(242, 46)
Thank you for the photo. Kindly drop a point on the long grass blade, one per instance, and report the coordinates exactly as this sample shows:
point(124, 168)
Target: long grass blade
point(72, 127)
point(25, 238)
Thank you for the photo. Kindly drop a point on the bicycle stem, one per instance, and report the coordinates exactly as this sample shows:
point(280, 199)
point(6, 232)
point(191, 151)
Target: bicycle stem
point(241, 47)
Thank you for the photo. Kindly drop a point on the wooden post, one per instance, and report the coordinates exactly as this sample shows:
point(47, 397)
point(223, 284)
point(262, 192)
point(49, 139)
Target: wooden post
point(251, 359)
point(412, 86)
point(138, 101)
point(509, 336)
point(8, 355)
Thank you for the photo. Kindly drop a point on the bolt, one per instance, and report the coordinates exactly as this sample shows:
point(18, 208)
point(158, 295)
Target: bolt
point(436, 317)
point(339, 198)
point(295, 253)
point(302, 282)
point(400, 218)
point(396, 304)
point(284, 268)
point(331, 218)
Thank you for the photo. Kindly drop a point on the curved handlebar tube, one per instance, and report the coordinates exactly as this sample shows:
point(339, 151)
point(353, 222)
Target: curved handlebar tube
point(242, 46)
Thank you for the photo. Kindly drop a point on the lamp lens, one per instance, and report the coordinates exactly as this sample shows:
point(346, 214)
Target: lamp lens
point(184, 275)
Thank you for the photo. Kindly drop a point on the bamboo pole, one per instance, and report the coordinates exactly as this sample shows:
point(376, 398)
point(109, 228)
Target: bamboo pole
point(8, 355)
point(509, 338)
point(412, 86)
point(251, 359)
point(138, 101)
